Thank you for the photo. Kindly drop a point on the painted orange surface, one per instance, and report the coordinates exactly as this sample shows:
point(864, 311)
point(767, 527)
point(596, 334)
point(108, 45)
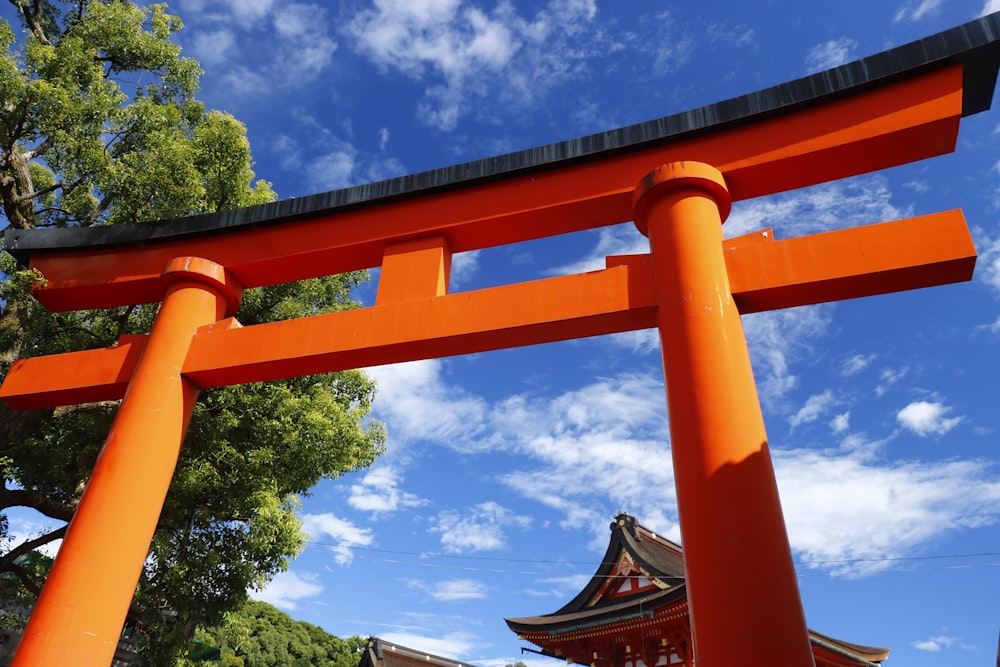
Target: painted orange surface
point(884, 127)
point(727, 497)
point(414, 320)
point(692, 287)
point(80, 613)
point(414, 270)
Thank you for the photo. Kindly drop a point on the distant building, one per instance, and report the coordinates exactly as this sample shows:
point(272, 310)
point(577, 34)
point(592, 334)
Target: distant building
point(380, 653)
point(634, 612)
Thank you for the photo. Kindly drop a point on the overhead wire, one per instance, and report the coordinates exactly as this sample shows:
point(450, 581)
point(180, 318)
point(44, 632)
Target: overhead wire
point(423, 555)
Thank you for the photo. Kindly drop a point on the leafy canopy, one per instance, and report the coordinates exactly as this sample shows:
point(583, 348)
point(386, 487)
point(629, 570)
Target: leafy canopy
point(99, 125)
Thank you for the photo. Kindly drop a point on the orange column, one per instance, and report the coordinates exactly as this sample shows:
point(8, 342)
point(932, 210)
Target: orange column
point(742, 590)
point(79, 616)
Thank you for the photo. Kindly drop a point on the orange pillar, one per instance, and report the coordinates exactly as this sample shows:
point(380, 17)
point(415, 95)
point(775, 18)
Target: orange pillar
point(79, 616)
point(742, 591)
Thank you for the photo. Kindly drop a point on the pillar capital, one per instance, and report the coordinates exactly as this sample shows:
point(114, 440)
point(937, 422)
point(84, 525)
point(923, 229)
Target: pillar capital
point(208, 273)
point(674, 176)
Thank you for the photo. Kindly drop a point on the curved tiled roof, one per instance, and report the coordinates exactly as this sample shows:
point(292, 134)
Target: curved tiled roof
point(661, 560)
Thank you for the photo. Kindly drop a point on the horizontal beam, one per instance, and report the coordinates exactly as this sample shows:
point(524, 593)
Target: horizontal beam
point(764, 274)
point(929, 250)
point(909, 120)
point(73, 378)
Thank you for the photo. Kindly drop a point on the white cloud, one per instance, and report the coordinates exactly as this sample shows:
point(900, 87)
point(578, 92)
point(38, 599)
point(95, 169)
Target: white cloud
point(560, 587)
point(776, 340)
point(214, 47)
point(453, 590)
point(464, 266)
point(480, 529)
point(288, 588)
point(345, 534)
point(841, 422)
point(297, 34)
point(21, 528)
point(934, 644)
point(990, 7)
point(815, 406)
point(909, 12)
point(623, 239)
point(462, 52)
point(925, 418)
point(846, 511)
point(455, 645)
point(855, 364)
point(378, 492)
point(862, 200)
point(605, 447)
point(830, 54)
point(988, 264)
point(333, 169)
point(889, 378)
point(417, 405)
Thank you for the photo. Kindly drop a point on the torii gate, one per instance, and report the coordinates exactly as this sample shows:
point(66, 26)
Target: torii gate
point(675, 177)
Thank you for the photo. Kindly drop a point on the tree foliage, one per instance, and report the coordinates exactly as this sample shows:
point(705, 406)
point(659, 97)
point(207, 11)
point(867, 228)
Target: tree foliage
point(99, 125)
point(260, 635)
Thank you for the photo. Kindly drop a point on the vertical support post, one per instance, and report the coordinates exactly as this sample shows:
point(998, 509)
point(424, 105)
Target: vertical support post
point(416, 269)
point(744, 601)
point(79, 616)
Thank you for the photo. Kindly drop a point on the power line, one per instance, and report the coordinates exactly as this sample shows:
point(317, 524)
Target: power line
point(537, 561)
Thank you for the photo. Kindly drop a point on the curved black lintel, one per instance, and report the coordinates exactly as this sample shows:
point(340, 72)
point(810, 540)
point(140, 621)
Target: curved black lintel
point(975, 44)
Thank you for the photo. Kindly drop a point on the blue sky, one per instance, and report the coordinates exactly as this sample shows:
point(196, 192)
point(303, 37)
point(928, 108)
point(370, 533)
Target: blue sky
point(504, 469)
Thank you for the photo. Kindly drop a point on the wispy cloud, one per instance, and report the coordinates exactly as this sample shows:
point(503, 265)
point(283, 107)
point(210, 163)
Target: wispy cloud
point(862, 200)
point(933, 644)
point(779, 338)
point(463, 53)
point(456, 645)
point(915, 11)
point(604, 447)
point(452, 590)
point(418, 405)
point(841, 422)
point(300, 46)
point(904, 505)
point(345, 535)
point(379, 492)
point(814, 408)
point(288, 588)
point(855, 364)
point(830, 54)
point(890, 377)
point(481, 528)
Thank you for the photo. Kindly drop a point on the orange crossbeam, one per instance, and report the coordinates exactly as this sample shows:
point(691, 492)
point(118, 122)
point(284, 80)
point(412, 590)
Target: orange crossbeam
point(907, 121)
point(929, 250)
point(764, 274)
point(73, 378)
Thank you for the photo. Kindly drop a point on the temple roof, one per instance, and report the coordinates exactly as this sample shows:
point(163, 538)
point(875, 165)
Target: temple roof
point(641, 574)
point(976, 45)
point(381, 653)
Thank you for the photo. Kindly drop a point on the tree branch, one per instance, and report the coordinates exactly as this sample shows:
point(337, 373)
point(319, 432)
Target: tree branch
point(41, 150)
point(28, 498)
point(34, 19)
point(25, 578)
point(7, 560)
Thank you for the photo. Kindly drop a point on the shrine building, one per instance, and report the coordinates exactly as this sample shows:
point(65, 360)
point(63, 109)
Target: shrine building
point(634, 612)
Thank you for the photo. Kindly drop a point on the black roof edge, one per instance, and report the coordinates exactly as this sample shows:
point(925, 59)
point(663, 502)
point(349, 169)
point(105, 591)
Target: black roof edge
point(975, 44)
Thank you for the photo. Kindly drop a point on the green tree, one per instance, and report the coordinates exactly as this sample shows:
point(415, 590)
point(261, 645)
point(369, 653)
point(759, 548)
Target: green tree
point(81, 143)
point(263, 636)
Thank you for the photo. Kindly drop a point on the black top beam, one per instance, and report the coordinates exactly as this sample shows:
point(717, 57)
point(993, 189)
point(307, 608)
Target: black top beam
point(976, 45)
